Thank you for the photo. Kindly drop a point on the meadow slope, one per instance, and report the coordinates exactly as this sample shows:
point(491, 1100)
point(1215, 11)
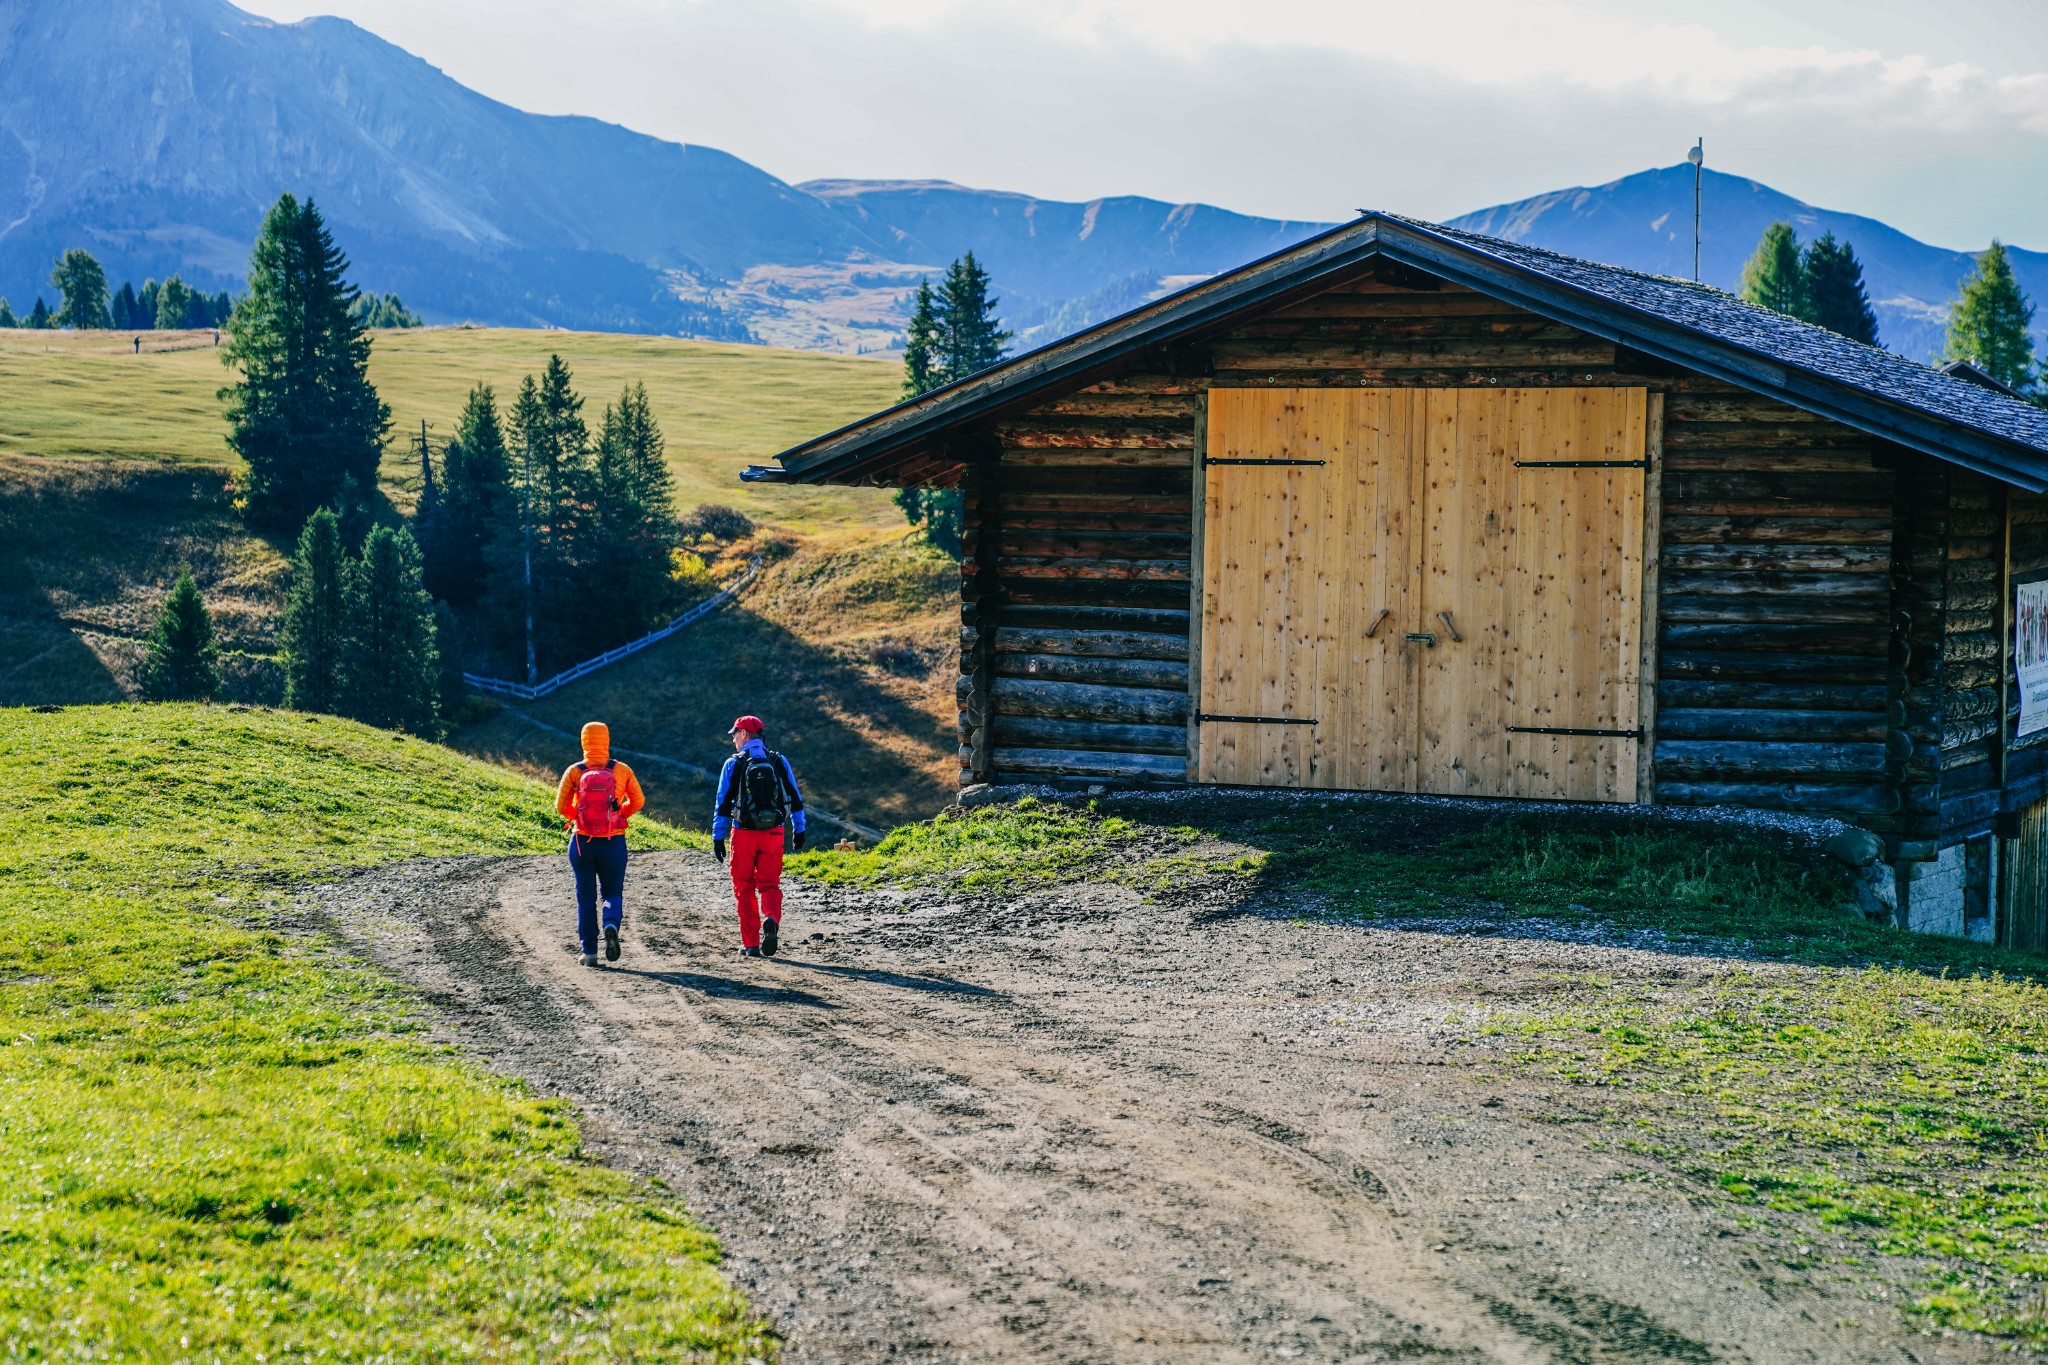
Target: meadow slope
point(221, 1139)
point(113, 475)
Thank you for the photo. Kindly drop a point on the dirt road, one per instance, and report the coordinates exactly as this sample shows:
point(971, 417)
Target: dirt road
point(1074, 1126)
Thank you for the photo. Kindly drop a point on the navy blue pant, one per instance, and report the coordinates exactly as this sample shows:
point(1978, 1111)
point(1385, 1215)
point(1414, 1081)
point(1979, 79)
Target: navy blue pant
point(598, 862)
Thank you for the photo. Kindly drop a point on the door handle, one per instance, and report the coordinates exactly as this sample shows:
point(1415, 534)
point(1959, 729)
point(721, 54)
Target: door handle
point(1450, 626)
point(1420, 637)
point(1377, 622)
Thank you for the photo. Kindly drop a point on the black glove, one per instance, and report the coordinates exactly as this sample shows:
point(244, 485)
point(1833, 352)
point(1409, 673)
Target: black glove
point(796, 841)
point(718, 849)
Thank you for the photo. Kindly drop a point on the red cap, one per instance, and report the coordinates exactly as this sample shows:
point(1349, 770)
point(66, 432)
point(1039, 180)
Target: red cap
point(751, 724)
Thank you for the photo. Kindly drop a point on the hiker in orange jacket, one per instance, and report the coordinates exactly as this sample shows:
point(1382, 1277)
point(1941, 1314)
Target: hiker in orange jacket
point(597, 797)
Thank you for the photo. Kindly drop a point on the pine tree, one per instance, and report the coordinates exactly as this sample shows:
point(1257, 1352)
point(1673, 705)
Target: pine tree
point(474, 499)
point(182, 662)
point(83, 285)
point(974, 337)
point(123, 306)
point(636, 519)
point(304, 416)
point(452, 691)
point(924, 366)
point(145, 303)
point(316, 617)
point(7, 318)
point(1988, 324)
point(39, 316)
point(953, 333)
point(1773, 277)
point(390, 674)
point(1832, 290)
point(179, 306)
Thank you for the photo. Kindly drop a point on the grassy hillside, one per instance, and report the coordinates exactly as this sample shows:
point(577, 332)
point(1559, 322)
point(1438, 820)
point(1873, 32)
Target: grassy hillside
point(113, 474)
point(221, 1142)
point(88, 396)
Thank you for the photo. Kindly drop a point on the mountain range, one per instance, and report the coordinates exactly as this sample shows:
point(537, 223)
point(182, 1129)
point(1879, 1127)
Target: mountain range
point(157, 132)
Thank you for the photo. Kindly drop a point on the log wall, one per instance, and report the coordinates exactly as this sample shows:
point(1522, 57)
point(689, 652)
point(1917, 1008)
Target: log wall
point(1777, 685)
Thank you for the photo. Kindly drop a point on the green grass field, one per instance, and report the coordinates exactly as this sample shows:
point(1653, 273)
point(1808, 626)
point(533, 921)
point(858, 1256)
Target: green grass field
point(220, 1142)
point(88, 396)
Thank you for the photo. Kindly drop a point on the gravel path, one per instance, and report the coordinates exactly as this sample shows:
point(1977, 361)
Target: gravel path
point(1074, 1126)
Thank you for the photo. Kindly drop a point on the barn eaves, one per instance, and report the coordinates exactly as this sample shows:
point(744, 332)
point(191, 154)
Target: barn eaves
point(1654, 317)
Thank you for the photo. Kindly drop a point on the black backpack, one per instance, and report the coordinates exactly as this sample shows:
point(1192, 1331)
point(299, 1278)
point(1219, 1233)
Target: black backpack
point(763, 804)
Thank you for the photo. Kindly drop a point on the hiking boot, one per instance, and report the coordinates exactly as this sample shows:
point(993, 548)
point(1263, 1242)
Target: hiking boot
point(611, 943)
point(771, 937)
point(750, 952)
point(590, 959)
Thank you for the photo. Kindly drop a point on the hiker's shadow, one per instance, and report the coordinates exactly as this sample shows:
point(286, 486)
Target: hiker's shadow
point(726, 988)
point(903, 980)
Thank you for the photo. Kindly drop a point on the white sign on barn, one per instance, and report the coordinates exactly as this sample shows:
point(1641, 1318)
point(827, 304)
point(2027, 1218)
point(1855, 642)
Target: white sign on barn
point(2030, 653)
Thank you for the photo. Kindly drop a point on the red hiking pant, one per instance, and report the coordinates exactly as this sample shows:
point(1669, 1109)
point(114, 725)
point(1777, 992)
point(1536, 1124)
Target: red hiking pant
point(756, 879)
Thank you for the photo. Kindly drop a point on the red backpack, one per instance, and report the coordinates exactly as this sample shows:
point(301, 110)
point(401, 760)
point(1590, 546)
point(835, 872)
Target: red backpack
point(597, 802)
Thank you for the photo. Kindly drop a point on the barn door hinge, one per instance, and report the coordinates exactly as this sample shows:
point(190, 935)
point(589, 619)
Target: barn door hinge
point(1566, 730)
point(1582, 464)
point(1254, 720)
point(1207, 463)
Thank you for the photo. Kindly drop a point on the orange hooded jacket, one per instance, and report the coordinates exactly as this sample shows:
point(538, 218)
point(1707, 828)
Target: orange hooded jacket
point(597, 749)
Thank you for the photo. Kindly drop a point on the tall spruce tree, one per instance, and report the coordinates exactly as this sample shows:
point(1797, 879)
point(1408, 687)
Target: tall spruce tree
point(1988, 324)
point(954, 332)
point(7, 318)
point(924, 361)
point(39, 316)
point(123, 306)
point(1832, 290)
point(304, 416)
point(973, 335)
point(636, 519)
point(145, 303)
point(390, 674)
point(474, 499)
point(179, 306)
point(453, 691)
point(315, 633)
point(182, 660)
point(83, 285)
point(1773, 277)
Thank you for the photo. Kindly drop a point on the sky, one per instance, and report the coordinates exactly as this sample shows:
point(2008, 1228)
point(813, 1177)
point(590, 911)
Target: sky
point(1932, 117)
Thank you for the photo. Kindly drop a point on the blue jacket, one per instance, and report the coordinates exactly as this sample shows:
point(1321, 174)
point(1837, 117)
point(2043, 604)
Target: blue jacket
point(725, 807)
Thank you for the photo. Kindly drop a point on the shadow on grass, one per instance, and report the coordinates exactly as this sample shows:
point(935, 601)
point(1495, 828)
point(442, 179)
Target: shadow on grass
point(862, 749)
point(1662, 881)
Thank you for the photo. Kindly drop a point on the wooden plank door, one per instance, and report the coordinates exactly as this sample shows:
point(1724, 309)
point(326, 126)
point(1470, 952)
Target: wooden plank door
point(1307, 579)
point(1266, 477)
point(1532, 590)
point(1467, 526)
point(2023, 882)
point(1572, 645)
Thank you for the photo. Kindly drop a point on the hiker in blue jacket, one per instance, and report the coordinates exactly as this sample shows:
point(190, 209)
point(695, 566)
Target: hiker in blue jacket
point(758, 800)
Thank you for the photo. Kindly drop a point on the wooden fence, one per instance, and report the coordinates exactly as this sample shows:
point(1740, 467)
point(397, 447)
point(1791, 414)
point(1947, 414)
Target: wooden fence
point(523, 692)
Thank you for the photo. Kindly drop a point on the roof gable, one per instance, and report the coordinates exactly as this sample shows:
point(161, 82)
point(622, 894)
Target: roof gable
point(1692, 325)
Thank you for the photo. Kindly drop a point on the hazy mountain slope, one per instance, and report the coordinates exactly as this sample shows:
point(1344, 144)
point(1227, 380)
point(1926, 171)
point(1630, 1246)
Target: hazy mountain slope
point(1045, 253)
point(157, 132)
point(1645, 221)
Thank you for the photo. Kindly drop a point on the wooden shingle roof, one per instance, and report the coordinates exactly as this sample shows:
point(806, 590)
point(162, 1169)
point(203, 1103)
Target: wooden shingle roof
point(1692, 325)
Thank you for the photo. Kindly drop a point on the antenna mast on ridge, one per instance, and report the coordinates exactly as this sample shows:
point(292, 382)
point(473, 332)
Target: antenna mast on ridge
point(1697, 155)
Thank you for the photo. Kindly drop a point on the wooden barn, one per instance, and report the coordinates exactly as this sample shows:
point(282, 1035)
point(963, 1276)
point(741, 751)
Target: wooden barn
point(1409, 509)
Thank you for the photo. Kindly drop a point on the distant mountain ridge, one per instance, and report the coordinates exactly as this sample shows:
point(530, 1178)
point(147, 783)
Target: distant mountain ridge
point(156, 132)
point(1644, 221)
